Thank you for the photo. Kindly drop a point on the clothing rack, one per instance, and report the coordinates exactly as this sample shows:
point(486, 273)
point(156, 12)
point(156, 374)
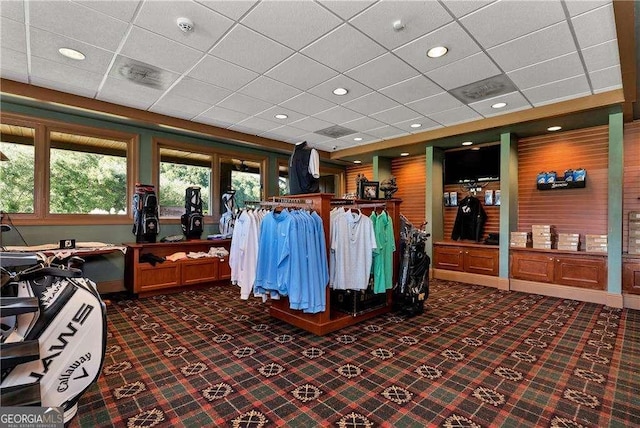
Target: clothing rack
point(355, 205)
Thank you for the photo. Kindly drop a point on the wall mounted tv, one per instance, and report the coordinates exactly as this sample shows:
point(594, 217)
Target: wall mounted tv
point(479, 164)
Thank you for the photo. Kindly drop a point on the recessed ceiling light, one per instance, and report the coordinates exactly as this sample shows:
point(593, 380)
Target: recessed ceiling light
point(340, 91)
point(357, 139)
point(404, 154)
point(467, 143)
point(416, 125)
point(281, 116)
point(71, 53)
point(499, 105)
point(554, 128)
point(357, 161)
point(437, 52)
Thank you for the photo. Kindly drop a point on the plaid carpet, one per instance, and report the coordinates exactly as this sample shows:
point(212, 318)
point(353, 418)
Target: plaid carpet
point(477, 357)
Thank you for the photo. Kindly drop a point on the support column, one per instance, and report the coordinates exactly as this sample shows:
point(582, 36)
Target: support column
point(434, 209)
point(508, 200)
point(614, 228)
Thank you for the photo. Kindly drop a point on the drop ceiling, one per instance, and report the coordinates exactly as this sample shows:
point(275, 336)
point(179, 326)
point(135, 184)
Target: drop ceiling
point(244, 62)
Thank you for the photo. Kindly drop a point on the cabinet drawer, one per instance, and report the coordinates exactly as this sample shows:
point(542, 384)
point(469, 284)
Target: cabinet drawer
point(481, 261)
point(224, 270)
point(199, 270)
point(579, 272)
point(448, 258)
point(631, 277)
point(532, 267)
point(161, 275)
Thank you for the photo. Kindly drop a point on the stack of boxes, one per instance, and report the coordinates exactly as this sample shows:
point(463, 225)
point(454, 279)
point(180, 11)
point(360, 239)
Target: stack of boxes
point(634, 232)
point(596, 243)
point(569, 241)
point(522, 239)
point(544, 236)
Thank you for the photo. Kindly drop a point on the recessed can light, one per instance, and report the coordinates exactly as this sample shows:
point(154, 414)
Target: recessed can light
point(281, 116)
point(554, 128)
point(499, 105)
point(467, 143)
point(71, 53)
point(357, 139)
point(357, 161)
point(404, 154)
point(340, 91)
point(416, 125)
point(437, 52)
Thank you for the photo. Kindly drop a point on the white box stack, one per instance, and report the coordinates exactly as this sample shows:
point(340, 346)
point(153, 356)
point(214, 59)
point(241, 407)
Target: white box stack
point(544, 236)
point(520, 239)
point(569, 241)
point(596, 243)
point(634, 232)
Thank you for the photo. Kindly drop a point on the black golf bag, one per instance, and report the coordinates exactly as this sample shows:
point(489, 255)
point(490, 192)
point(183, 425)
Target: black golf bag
point(145, 213)
point(192, 219)
point(412, 289)
point(53, 340)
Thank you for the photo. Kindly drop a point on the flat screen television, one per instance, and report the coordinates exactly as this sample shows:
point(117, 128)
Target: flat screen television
point(481, 164)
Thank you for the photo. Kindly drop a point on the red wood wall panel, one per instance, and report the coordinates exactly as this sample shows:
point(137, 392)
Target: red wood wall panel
point(631, 179)
point(352, 173)
point(411, 177)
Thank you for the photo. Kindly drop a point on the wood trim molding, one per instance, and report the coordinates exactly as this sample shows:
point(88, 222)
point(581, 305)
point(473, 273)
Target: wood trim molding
point(562, 291)
point(470, 278)
point(624, 12)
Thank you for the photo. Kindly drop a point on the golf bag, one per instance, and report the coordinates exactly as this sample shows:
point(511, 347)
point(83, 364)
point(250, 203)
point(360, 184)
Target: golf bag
point(412, 289)
point(145, 213)
point(192, 219)
point(53, 337)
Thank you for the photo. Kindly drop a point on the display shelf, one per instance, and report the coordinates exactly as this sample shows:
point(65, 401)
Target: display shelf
point(562, 185)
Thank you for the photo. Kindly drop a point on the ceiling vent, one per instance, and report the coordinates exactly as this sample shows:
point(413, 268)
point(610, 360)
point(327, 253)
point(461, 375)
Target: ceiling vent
point(140, 73)
point(335, 131)
point(483, 89)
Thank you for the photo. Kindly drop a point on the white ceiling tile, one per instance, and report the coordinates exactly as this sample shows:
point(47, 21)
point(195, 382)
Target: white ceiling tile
point(325, 89)
point(67, 87)
point(387, 132)
point(327, 145)
point(161, 17)
point(219, 116)
point(121, 9)
point(452, 36)
point(595, 27)
point(13, 34)
point(65, 74)
point(257, 124)
point(363, 124)
point(515, 102)
point(249, 49)
point(349, 139)
point(308, 104)
point(45, 45)
point(301, 72)
point(222, 73)
point(425, 124)
point(343, 49)
point(305, 21)
point(78, 22)
point(270, 114)
point(604, 55)
point(13, 10)
point(270, 90)
point(317, 141)
point(606, 79)
point(120, 91)
point(233, 9)
point(289, 132)
point(346, 8)
point(338, 114)
point(471, 69)
point(199, 91)
point(582, 6)
point(536, 47)
point(176, 105)
point(454, 116)
point(13, 65)
point(244, 104)
point(377, 21)
point(371, 103)
point(157, 50)
point(396, 115)
point(436, 103)
point(382, 71)
point(506, 20)
point(558, 91)
point(460, 8)
point(311, 124)
point(559, 68)
point(412, 89)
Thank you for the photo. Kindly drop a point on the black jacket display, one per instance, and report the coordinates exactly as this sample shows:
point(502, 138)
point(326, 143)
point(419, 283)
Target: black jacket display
point(300, 179)
point(470, 220)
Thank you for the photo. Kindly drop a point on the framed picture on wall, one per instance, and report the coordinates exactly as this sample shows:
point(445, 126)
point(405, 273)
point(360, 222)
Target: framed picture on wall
point(368, 189)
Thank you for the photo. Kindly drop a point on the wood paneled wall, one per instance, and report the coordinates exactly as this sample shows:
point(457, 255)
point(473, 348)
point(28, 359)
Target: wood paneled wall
point(582, 211)
point(411, 177)
point(352, 173)
point(493, 212)
point(631, 177)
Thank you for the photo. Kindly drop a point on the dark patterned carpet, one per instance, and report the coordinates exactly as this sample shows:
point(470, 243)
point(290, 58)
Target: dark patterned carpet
point(477, 357)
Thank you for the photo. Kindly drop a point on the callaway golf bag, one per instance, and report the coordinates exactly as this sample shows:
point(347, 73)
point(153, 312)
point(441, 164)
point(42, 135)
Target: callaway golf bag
point(192, 219)
point(53, 335)
point(412, 288)
point(145, 213)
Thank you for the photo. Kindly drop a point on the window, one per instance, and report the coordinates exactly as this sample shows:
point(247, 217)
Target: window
point(17, 168)
point(243, 176)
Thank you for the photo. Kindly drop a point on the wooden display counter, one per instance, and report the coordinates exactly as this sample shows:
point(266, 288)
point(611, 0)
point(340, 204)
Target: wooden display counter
point(631, 273)
point(145, 279)
point(467, 257)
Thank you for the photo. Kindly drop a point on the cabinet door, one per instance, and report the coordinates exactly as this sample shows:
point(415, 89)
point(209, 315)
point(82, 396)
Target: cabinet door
point(224, 270)
point(631, 277)
point(532, 267)
point(199, 270)
point(162, 275)
point(449, 258)
point(581, 272)
point(481, 261)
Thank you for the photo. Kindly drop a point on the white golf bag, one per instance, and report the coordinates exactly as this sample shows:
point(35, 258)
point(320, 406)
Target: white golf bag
point(53, 336)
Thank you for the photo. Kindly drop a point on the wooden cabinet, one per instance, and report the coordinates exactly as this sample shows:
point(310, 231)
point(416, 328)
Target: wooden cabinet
point(576, 269)
point(631, 275)
point(471, 258)
point(144, 278)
